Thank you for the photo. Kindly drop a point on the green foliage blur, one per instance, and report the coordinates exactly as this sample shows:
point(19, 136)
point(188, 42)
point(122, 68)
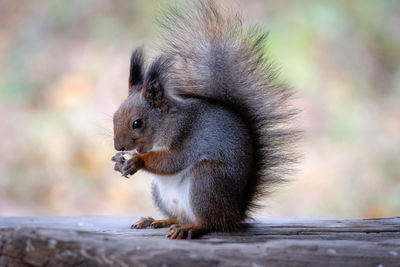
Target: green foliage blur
point(64, 70)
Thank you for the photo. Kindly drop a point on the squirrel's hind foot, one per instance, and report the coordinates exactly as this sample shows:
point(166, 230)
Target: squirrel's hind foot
point(164, 223)
point(143, 222)
point(186, 231)
point(149, 222)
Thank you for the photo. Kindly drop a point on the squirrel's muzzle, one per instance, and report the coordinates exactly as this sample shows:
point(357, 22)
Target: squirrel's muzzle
point(123, 145)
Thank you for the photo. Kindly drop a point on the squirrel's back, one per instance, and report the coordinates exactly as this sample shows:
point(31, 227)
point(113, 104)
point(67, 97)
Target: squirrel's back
point(212, 57)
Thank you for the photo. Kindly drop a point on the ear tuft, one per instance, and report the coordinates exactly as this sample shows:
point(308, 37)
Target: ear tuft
point(153, 91)
point(136, 68)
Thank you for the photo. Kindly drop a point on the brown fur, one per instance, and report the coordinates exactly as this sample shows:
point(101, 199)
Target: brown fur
point(158, 162)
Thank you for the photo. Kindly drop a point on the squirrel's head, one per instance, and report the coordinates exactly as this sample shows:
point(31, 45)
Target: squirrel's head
point(141, 118)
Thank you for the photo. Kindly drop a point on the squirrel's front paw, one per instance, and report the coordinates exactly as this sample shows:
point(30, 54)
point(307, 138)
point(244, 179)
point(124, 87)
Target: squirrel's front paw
point(124, 163)
point(128, 167)
point(119, 160)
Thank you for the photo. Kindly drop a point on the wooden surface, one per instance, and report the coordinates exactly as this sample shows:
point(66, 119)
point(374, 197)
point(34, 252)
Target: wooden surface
point(108, 241)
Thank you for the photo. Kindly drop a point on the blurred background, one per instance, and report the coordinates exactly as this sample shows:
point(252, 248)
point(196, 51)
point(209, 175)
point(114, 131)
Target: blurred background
point(64, 71)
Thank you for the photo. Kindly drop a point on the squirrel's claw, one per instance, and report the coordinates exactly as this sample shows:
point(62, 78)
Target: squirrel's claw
point(185, 231)
point(128, 168)
point(122, 165)
point(143, 222)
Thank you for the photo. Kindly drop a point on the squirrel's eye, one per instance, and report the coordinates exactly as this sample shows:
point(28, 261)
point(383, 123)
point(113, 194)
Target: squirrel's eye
point(137, 124)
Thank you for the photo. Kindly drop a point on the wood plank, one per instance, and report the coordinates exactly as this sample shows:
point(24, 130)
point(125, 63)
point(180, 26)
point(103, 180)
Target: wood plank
point(108, 241)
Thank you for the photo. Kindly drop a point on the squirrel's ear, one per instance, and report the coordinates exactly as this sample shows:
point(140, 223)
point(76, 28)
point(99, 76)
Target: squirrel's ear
point(153, 90)
point(136, 69)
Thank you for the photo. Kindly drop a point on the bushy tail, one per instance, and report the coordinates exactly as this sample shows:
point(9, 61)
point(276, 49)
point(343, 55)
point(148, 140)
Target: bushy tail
point(216, 59)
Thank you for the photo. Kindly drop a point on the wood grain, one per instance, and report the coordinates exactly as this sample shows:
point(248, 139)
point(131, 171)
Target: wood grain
point(109, 241)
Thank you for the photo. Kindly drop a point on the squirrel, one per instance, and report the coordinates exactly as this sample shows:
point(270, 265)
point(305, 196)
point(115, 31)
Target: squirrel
point(209, 122)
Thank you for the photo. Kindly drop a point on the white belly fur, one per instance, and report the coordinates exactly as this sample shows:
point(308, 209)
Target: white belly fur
point(175, 194)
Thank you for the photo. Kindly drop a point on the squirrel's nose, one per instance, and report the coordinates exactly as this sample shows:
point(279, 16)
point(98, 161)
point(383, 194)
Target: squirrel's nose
point(119, 147)
point(124, 144)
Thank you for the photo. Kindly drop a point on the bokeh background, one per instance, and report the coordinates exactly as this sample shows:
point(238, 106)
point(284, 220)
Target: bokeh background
point(64, 70)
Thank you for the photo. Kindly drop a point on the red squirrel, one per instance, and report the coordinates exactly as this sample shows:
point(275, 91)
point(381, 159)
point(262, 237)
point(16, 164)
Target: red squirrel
point(209, 122)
